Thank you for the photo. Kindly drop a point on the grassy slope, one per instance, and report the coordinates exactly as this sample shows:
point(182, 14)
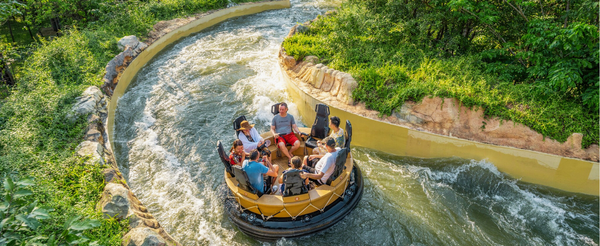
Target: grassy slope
point(391, 72)
point(35, 137)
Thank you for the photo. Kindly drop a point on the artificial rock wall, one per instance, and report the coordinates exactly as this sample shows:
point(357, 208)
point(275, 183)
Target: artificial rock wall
point(117, 199)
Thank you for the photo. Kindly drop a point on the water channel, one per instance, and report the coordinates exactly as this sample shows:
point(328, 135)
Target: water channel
point(184, 100)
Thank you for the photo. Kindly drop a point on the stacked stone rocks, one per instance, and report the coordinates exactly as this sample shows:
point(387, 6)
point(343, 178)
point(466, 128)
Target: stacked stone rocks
point(117, 199)
point(131, 47)
point(338, 84)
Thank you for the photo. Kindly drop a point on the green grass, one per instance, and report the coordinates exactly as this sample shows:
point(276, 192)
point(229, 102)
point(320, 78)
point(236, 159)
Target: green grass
point(37, 140)
point(391, 70)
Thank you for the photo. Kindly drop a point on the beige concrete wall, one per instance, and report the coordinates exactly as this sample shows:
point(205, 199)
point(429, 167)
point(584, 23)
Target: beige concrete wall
point(559, 172)
point(181, 32)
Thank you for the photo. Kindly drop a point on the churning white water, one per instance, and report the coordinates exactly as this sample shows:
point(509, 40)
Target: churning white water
point(169, 120)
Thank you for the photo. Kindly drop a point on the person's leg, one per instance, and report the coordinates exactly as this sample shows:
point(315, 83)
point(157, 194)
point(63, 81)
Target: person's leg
point(295, 146)
point(282, 148)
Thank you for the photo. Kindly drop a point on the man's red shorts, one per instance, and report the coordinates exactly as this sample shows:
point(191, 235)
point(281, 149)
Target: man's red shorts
point(289, 138)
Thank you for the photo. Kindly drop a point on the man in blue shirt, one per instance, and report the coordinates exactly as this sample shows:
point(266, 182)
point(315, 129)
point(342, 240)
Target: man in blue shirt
point(255, 171)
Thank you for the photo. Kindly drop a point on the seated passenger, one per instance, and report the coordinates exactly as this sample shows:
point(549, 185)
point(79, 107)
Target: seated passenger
point(296, 165)
point(326, 165)
point(337, 133)
point(318, 153)
point(255, 171)
point(237, 153)
point(249, 136)
point(252, 140)
point(283, 126)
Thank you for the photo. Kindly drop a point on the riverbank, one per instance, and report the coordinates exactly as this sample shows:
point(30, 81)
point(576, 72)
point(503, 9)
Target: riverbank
point(37, 140)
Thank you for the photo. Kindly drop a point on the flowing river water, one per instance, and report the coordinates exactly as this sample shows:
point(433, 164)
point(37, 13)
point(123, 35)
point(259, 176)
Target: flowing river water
point(183, 101)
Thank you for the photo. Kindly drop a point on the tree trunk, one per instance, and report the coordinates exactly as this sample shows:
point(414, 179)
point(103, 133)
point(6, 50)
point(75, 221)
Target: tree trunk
point(28, 28)
point(566, 15)
point(10, 30)
point(5, 74)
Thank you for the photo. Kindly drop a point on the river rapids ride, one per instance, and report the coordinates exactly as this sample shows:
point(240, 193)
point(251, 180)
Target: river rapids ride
point(302, 210)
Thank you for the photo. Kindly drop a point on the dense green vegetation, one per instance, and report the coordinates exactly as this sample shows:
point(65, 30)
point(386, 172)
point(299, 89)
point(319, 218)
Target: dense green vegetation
point(49, 195)
point(532, 62)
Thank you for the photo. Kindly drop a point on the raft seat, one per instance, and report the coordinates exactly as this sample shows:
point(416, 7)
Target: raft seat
point(320, 128)
point(236, 125)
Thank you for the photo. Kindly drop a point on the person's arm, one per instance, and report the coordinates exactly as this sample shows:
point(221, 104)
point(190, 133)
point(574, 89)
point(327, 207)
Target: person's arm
point(275, 135)
point(247, 144)
point(256, 136)
point(271, 171)
point(295, 127)
point(312, 175)
point(280, 179)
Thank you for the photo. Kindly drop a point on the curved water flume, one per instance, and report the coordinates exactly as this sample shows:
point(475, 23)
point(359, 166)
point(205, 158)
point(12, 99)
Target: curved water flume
point(184, 100)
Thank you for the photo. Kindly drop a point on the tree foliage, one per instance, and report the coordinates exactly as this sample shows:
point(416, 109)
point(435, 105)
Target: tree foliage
point(533, 62)
point(552, 44)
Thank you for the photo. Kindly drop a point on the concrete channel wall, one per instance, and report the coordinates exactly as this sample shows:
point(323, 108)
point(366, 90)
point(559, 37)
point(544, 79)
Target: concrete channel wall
point(145, 230)
point(569, 174)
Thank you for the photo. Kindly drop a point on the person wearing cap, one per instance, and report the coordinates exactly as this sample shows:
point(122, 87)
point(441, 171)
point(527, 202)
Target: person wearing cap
point(282, 128)
point(337, 133)
point(325, 166)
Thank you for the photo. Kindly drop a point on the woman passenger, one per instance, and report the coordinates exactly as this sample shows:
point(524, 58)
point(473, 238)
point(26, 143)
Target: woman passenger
point(237, 153)
point(252, 140)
